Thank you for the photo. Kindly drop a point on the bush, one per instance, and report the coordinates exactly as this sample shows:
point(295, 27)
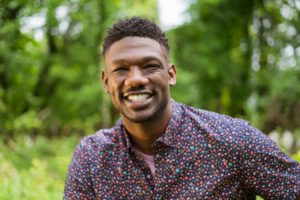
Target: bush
point(35, 169)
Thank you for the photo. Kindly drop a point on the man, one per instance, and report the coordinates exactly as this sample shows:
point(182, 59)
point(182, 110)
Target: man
point(161, 149)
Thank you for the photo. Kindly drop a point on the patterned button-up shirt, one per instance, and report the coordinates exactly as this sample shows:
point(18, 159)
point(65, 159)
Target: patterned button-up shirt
point(201, 155)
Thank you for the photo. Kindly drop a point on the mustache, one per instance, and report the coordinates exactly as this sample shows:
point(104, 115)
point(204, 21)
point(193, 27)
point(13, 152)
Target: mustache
point(136, 88)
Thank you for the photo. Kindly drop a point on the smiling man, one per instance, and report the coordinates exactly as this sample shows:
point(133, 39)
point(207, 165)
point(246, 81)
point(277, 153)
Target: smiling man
point(161, 149)
point(137, 76)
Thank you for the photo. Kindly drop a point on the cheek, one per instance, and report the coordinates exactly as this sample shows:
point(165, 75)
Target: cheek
point(162, 84)
point(159, 78)
point(115, 83)
point(115, 88)
point(164, 80)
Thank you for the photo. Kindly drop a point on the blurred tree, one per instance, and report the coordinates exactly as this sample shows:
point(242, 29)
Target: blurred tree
point(49, 63)
point(244, 60)
point(276, 66)
point(216, 46)
point(235, 57)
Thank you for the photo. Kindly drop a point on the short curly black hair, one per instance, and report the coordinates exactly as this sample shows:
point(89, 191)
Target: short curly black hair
point(135, 26)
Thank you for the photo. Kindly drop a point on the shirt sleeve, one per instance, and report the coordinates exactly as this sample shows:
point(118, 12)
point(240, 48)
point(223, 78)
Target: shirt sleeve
point(267, 170)
point(78, 184)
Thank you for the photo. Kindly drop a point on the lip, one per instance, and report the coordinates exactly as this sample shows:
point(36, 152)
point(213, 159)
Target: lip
point(138, 105)
point(126, 94)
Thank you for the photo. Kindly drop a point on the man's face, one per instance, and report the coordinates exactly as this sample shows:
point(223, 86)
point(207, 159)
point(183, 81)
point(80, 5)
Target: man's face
point(137, 76)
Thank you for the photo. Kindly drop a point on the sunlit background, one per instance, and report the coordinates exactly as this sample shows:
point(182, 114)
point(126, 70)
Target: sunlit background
point(236, 57)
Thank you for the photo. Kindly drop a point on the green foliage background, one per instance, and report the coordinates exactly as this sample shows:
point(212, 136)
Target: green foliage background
point(236, 57)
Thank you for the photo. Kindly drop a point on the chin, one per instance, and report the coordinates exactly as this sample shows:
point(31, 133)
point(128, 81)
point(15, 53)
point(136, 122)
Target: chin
point(140, 119)
point(143, 117)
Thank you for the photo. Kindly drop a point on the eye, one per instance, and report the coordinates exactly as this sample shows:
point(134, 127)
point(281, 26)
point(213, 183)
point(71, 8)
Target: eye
point(120, 70)
point(151, 67)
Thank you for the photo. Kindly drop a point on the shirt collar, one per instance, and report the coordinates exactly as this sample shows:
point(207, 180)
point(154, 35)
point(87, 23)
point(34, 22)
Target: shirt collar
point(123, 132)
point(171, 137)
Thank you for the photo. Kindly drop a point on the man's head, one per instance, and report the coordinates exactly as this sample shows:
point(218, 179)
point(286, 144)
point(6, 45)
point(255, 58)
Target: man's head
point(135, 26)
point(137, 72)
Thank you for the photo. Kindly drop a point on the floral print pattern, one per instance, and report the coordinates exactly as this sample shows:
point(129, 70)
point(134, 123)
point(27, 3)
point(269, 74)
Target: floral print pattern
point(201, 155)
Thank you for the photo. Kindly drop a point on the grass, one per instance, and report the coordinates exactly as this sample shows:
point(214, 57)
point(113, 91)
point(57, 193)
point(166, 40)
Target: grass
point(36, 169)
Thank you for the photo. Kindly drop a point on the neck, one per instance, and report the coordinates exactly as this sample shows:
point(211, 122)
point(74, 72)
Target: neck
point(143, 135)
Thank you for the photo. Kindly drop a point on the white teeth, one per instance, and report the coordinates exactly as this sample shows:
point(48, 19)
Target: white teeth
point(138, 97)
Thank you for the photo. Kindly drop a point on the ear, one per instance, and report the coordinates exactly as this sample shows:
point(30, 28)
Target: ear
point(172, 75)
point(105, 81)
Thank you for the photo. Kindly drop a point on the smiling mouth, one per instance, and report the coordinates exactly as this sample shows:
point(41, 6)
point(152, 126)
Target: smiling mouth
point(138, 98)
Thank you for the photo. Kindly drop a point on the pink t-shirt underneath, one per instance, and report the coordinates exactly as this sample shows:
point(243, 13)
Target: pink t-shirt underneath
point(149, 159)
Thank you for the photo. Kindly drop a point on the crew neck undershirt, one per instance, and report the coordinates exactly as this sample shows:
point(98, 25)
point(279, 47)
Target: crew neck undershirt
point(149, 159)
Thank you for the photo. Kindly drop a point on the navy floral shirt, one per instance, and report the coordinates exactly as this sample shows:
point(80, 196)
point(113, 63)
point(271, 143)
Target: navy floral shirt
point(202, 155)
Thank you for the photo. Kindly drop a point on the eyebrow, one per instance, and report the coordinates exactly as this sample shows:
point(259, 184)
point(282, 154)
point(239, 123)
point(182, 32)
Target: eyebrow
point(143, 60)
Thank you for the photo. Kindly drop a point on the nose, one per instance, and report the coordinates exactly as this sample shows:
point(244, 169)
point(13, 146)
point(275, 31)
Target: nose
point(135, 77)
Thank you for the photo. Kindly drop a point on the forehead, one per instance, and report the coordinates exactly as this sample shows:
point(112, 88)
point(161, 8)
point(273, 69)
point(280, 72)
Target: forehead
point(134, 48)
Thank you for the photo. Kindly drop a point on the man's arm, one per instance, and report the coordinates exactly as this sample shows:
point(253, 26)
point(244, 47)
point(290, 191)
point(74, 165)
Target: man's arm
point(78, 184)
point(267, 170)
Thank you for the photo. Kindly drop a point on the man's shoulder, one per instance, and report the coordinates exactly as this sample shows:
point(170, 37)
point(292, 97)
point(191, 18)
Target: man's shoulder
point(225, 131)
point(103, 139)
point(212, 119)
point(220, 126)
